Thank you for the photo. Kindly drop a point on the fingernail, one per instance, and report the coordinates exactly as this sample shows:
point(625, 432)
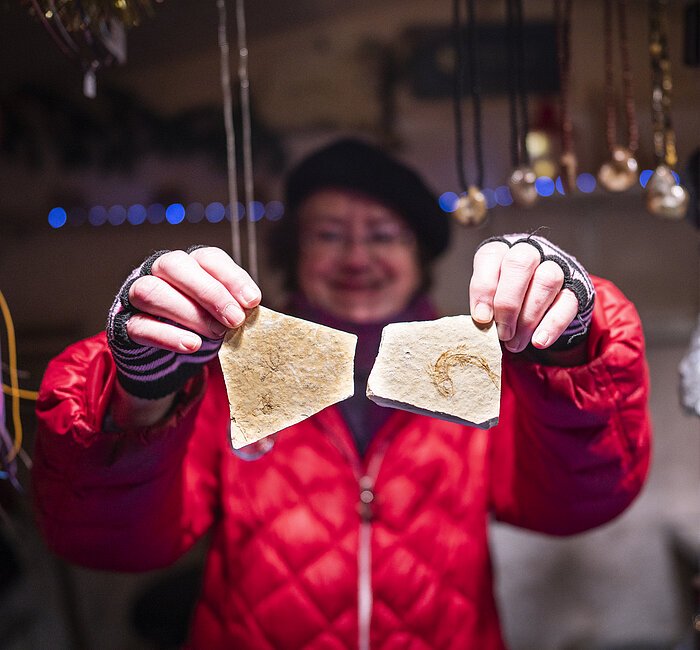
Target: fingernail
point(216, 328)
point(482, 312)
point(513, 345)
point(189, 342)
point(233, 314)
point(504, 331)
point(250, 293)
point(541, 337)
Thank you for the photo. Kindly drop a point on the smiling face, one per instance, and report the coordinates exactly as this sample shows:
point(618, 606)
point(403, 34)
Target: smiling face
point(358, 258)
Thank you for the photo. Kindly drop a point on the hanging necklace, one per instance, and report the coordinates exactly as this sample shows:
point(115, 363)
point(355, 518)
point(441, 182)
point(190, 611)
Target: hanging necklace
point(471, 205)
point(568, 163)
point(664, 196)
point(521, 181)
point(232, 173)
point(621, 171)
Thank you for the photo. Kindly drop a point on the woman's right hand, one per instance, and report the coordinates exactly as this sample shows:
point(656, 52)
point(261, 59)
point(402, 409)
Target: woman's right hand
point(170, 316)
point(187, 296)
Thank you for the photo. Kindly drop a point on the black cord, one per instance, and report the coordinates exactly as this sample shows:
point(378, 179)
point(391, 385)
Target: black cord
point(474, 90)
point(458, 93)
point(517, 93)
point(520, 67)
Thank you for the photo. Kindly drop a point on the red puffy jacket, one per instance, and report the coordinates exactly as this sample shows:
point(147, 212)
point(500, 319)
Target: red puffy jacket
point(298, 558)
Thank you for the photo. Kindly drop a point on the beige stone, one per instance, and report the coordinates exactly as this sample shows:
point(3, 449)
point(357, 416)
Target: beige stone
point(280, 370)
point(448, 368)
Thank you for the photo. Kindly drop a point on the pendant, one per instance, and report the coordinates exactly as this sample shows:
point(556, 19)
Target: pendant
point(619, 173)
point(665, 198)
point(522, 186)
point(471, 208)
point(568, 168)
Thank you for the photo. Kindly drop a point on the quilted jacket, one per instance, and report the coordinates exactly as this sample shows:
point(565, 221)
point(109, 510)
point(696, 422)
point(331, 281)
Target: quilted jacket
point(312, 547)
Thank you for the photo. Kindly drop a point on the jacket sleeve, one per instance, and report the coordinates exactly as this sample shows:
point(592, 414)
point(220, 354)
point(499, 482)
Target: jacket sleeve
point(126, 501)
point(572, 447)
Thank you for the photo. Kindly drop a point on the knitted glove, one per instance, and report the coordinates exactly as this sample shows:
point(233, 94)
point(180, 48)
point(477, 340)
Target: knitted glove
point(146, 371)
point(575, 278)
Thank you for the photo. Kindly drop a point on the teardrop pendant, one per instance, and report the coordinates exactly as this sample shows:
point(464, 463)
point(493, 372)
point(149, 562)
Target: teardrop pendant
point(621, 172)
point(521, 184)
point(664, 197)
point(471, 208)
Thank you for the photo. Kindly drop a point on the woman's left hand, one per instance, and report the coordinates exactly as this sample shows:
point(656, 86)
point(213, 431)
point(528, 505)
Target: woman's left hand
point(520, 282)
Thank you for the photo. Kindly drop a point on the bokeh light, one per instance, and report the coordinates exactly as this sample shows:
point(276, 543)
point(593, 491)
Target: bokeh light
point(257, 210)
point(57, 217)
point(136, 214)
point(448, 201)
point(116, 215)
point(586, 183)
point(490, 196)
point(544, 186)
point(274, 210)
point(215, 212)
point(155, 213)
point(559, 185)
point(175, 213)
point(97, 215)
point(194, 212)
point(503, 196)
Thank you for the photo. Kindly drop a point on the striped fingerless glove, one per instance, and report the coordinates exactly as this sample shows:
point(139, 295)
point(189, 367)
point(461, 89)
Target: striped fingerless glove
point(146, 371)
point(575, 278)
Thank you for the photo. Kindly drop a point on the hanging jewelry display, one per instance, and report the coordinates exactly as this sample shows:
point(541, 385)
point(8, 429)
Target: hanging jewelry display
point(471, 205)
point(521, 181)
point(568, 163)
point(232, 174)
point(664, 196)
point(258, 449)
point(92, 32)
point(621, 171)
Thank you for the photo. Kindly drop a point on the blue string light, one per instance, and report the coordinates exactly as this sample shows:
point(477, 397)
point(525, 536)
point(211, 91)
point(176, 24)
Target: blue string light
point(448, 201)
point(57, 217)
point(155, 213)
point(544, 186)
point(175, 213)
point(586, 183)
point(215, 212)
point(503, 196)
point(274, 210)
point(136, 214)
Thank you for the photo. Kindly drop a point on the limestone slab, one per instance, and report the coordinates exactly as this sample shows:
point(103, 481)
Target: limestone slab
point(279, 370)
point(448, 368)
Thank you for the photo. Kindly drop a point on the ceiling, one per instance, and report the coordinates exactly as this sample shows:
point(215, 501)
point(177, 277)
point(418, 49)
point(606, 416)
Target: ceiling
point(178, 28)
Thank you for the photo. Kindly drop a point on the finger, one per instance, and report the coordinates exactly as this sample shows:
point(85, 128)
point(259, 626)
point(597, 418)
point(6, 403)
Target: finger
point(545, 286)
point(146, 330)
point(556, 320)
point(156, 297)
point(184, 273)
point(482, 287)
point(517, 269)
point(220, 265)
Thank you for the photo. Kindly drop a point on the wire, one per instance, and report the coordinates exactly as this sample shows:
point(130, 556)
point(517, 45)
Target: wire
point(14, 381)
point(22, 392)
point(230, 135)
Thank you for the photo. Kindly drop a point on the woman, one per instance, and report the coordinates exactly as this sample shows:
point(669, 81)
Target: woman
point(364, 526)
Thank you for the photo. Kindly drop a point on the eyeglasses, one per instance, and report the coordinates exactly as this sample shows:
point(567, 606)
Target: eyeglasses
point(385, 239)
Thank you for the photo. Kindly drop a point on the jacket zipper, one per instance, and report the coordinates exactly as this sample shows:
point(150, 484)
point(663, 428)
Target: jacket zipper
point(364, 561)
point(366, 475)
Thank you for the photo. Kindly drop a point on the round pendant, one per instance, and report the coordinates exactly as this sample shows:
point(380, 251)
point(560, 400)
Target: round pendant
point(664, 197)
point(619, 173)
point(568, 168)
point(471, 208)
point(522, 186)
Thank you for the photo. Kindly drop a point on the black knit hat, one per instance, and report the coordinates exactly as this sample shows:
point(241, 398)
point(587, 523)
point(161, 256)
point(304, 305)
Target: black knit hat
point(353, 164)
